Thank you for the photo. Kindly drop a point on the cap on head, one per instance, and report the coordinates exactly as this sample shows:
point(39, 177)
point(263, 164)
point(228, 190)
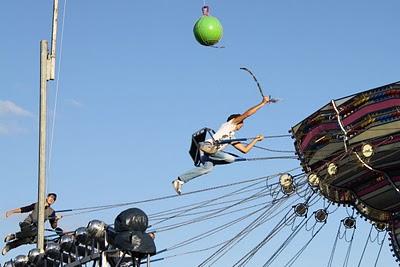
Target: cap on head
point(54, 195)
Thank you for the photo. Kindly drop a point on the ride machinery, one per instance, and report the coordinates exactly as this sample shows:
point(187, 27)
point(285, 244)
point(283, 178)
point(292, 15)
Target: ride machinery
point(350, 151)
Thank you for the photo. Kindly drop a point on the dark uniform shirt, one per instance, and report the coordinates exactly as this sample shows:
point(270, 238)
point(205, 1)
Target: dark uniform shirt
point(49, 214)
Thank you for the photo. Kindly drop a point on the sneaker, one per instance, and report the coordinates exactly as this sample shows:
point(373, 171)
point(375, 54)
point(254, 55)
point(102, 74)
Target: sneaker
point(5, 250)
point(177, 184)
point(9, 237)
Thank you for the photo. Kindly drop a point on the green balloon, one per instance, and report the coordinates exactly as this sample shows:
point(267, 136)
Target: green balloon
point(208, 30)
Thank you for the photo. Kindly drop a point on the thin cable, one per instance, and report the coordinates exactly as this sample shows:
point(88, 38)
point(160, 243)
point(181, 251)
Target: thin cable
point(226, 225)
point(269, 205)
point(57, 90)
point(202, 204)
point(380, 249)
point(272, 150)
point(278, 227)
point(298, 254)
point(347, 257)
point(217, 213)
point(295, 231)
point(204, 235)
point(195, 251)
point(156, 216)
point(244, 260)
point(269, 158)
point(222, 214)
point(286, 242)
point(232, 240)
point(275, 150)
point(334, 246)
point(214, 230)
point(255, 225)
point(168, 212)
point(277, 136)
point(365, 247)
point(174, 226)
point(110, 206)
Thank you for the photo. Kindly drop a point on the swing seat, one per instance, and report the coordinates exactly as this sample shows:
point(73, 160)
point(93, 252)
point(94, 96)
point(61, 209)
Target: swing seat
point(195, 147)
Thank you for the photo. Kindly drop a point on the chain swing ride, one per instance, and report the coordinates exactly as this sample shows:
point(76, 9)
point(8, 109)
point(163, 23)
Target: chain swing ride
point(349, 156)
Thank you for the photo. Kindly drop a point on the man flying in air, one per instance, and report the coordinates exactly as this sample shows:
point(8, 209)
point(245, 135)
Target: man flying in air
point(28, 232)
point(212, 154)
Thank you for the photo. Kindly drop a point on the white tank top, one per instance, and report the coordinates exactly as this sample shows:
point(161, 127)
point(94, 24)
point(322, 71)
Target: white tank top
point(225, 132)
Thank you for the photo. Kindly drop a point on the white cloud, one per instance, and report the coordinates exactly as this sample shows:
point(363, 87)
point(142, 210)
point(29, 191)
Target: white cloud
point(10, 108)
point(75, 103)
point(8, 129)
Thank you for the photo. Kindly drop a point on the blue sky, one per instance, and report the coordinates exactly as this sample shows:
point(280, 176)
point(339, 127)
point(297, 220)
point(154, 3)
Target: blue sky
point(134, 85)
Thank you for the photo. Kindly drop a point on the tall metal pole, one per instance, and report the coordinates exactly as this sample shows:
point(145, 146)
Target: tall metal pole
point(47, 72)
point(42, 143)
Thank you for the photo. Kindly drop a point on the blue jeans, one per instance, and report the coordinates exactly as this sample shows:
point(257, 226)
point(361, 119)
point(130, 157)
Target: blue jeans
point(208, 162)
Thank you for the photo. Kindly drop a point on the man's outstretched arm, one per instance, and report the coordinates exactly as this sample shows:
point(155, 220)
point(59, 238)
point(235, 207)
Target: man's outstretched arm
point(246, 148)
point(251, 110)
point(20, 210)
point(13, 211)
